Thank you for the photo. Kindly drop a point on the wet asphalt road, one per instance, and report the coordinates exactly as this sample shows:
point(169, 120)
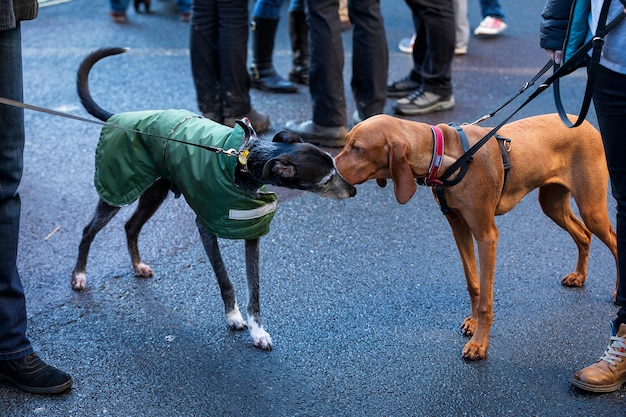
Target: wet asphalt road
point(363, 298)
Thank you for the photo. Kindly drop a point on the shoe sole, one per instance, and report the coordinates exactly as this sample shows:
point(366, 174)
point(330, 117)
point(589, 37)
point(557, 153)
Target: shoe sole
point(598, 388)
point(441, 106)
point(57, 389)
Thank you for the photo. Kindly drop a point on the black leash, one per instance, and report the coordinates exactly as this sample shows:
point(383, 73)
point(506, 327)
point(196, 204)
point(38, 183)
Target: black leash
point(559, 71)
point(228, 152)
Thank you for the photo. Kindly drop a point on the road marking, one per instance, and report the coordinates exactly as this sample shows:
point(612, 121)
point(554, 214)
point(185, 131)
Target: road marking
point(44, 3)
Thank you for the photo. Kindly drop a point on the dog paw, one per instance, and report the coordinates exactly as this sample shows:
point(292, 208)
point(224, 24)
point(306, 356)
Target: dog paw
point(235, 321)
point(474, 351)
point(79, 281)
point(574, 279)
point(261, 338)
point(142, 270)
point(468, 326)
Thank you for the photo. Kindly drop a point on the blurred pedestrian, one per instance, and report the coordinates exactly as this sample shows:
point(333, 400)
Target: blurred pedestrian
point(609, 97)
point(118, 9)
point(370, 63)
point(428, 86)
point(19, 364)
point(218, 46)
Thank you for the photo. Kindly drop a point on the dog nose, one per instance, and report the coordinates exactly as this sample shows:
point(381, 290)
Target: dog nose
point(352, 191)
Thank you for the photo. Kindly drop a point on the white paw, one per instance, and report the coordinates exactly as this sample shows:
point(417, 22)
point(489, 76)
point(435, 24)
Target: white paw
point(79, 281)
point(142, 270)
point(235, 321)
point(260, 337)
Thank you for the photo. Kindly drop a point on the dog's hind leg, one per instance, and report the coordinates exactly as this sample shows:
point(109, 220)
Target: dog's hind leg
point(148, 204)
point(594, 212)
point(555, 203)
point(104, 213)
point(233, 316)
point(260, 337)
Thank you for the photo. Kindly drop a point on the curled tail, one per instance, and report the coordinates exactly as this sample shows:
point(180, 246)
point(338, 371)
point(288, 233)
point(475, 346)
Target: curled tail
point(82, 81)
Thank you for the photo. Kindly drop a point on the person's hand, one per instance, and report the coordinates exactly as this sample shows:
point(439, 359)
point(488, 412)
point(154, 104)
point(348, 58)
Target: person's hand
point(556, 56)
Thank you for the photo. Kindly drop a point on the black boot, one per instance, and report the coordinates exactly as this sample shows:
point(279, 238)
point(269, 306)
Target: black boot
point(262, 73)
point(299, 34)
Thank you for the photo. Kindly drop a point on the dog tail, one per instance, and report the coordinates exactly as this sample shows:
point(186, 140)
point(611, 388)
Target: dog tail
point(82, 81)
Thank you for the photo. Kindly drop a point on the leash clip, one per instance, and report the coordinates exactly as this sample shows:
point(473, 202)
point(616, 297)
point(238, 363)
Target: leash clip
point(229, 152)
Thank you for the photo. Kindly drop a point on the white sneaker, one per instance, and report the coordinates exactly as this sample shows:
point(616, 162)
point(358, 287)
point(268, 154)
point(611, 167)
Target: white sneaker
point(490, 26)
point(406, 44)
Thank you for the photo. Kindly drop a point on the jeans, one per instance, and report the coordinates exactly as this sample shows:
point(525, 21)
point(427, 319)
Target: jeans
point(13, 341)
point(270, 9)
point(433, 50)
point(609, 99)
point(218, 46)
point(370, 60)
point(491, 8)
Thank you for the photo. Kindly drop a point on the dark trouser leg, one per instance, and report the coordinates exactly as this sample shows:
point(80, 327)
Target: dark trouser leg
point(434, 46)
point(610, 103)
point(370, 59)
point(326, 71)
point(219, 48)
point(299, 34)
point(13, 341)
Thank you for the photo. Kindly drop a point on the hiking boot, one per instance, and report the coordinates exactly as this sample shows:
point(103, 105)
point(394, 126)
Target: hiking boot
point(609, 372)
point(309, 131)
point(31, 374)
point(403, 87)
point(490, 26)
point(423, 102)
point(259, 121)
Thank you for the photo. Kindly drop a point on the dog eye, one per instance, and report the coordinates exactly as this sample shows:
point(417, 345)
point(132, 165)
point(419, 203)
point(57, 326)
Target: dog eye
point(356, 148)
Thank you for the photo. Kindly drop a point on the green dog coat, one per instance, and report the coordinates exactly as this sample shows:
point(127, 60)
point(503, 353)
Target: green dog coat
point(129, 162)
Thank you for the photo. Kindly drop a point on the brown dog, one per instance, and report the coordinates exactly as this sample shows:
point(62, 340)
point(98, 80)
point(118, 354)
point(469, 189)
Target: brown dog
point(543, 154)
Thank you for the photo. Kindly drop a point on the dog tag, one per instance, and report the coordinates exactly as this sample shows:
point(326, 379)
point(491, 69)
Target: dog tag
point(243, 157)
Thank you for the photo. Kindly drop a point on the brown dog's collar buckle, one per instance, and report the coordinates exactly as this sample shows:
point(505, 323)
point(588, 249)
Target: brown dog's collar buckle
point(437, 158)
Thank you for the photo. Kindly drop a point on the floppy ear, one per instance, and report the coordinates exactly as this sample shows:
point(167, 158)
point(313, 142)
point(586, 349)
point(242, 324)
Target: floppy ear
point(401, 174)
point(282, 166)
point(287, 137)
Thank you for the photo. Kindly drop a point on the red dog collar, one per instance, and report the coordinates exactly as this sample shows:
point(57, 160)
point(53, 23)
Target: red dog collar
point(437, 159)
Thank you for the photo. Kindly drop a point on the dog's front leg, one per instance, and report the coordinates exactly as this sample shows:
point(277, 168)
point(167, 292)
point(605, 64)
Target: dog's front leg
point(233, 317)
point(465, 245)
point(476, 348)
point(260, 337)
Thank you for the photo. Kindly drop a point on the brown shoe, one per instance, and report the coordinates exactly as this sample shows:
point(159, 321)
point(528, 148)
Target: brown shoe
point(609, 372)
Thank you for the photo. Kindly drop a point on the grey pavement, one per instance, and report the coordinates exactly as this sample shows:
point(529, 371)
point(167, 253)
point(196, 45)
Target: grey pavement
point(363, 298)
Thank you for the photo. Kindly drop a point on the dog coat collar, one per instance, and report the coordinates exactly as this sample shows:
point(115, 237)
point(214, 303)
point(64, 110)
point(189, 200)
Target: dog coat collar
point(437, 159)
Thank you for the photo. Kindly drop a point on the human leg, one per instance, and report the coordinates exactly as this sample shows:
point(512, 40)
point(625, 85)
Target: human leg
point(264, 24)
point(18, 362)
point(462, 26)
point(118, 10)
point(370, 59)
point(609, 373)
point(218, 50)
point(328, 125)
point(299, 36)
point(432, 58)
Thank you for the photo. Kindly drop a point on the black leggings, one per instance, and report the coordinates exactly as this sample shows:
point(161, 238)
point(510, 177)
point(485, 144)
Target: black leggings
point(609, 99)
